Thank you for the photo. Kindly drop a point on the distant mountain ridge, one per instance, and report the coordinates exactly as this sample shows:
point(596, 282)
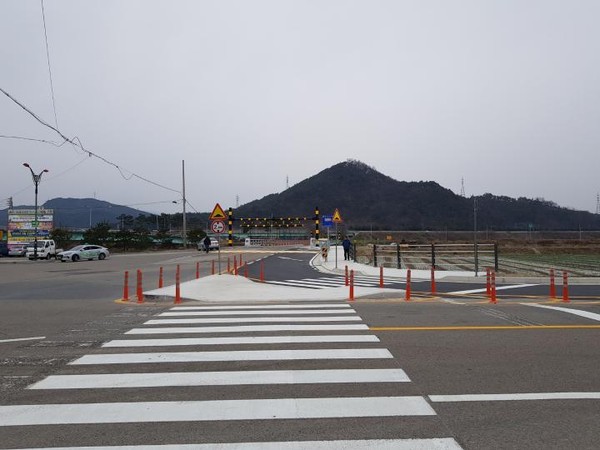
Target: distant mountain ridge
point(79, 212)
point(367, 198)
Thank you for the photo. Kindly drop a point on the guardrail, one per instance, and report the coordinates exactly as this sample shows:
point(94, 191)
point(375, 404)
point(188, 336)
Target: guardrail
point(264, 242)
point(425, 256)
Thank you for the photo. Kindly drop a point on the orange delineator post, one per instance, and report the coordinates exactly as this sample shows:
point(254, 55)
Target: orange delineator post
point(246, 270)
point(241, 260)
point(346, 280)
point(197, 270)
point(380, 276)
point(213, 268)
point(552, 285)
point(140, 293)
point(565, 287)
point(126, 287)
point(407, 298)
point(493, 289)
point(235, 266)
point(351, 295)
point(433, 279)
point(228, 264)
point(160, 277)
point(177, 287)
point(262, 272)
point(488, 287)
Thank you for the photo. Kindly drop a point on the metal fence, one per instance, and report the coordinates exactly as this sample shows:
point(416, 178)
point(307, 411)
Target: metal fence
point(424, 256)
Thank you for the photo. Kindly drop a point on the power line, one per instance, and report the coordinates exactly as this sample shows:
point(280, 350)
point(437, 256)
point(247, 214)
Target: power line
point(48, 61)
point(80, 145)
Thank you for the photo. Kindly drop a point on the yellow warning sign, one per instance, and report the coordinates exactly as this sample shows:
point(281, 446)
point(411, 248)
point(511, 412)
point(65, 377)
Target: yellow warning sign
point(337, 217)
point(217, 213)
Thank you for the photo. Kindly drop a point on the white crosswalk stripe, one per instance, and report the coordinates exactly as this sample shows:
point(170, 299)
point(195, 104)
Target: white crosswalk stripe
point(340, 280)
point(306, 346)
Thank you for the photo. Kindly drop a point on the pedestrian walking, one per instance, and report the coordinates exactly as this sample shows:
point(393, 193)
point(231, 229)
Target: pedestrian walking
point(346, 244)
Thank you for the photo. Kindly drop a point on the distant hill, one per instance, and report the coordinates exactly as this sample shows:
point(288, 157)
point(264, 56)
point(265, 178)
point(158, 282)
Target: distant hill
point(79, 212)
point(367, 198)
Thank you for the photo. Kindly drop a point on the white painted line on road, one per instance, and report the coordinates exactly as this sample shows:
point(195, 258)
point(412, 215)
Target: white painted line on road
point(254, 320)
point(37, 338)
point(212, 410)
point(379, 444)
point(509, 397)
point(168, 379)
point(248, 329)
point(249, 340)
point(577, 312)
point(286, 306)
point(243, 355)
point(498, 288)
point(266, 312)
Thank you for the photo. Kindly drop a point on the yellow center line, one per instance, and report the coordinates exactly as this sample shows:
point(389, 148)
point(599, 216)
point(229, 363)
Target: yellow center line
point(490, 327)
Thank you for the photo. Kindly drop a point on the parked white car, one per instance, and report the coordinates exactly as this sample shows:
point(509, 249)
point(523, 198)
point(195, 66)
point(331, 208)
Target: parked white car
point(214, 245)
point(81, 252)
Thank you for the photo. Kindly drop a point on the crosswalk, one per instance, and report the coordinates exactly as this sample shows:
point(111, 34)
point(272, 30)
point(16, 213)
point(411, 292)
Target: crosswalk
point(340, 280)
point(248, 383)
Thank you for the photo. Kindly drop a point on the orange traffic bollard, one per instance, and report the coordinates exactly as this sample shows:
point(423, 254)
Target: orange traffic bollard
point(433, 279)
point(177, 287)
point(346, 280)
point(160, 277)
point(235, 266)
point(213, 268)
point(241, 263)
point(197, 270)
point(552, 285)
point(493, 289)
point(262, 272)
point(228, 264)
point(488, 286)
point(351, 294)
point(246, 270)
point(407, 298)
point(565, 287)
point(380, 276)
point(140, 293)
point(126, 287)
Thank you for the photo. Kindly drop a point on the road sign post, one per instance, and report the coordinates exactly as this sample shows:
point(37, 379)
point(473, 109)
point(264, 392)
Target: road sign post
point(337, 218)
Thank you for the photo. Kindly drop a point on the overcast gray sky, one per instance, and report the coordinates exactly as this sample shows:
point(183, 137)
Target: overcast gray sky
point(505, 93)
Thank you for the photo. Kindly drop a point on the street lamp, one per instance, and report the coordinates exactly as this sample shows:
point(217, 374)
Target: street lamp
point(36, 180)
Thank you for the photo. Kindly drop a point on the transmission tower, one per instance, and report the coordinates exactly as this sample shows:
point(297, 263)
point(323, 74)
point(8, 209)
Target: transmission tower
point(462, 187)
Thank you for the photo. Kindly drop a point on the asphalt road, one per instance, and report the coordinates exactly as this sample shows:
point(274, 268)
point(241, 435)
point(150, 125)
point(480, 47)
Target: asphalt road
point(447, 346)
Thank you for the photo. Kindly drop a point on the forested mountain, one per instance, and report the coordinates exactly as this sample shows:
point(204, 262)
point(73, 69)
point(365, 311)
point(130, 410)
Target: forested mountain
point(367, 198)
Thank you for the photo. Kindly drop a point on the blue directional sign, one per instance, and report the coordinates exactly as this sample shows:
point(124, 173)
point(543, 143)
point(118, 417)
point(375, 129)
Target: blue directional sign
point(327, 221)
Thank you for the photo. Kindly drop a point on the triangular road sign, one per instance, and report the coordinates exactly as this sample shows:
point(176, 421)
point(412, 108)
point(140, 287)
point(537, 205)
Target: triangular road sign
point(217, 213)
point(337, 217)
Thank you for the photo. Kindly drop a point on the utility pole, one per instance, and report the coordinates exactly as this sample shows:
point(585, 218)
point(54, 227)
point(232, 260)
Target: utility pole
point(475, 235)
point(184, 218)
point(36, 180)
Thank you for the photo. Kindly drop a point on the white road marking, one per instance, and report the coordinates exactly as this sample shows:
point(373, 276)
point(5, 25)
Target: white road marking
point(248, 329)
point(286, 306)
point(212, 410)
point(498, 288)
point(254, 320)
point(379, 444)
point(23, 339)
point(577, 312)
point(522, 396)
point(266, 312)
point(242, 355)
point(250, 340)
point(167, 379)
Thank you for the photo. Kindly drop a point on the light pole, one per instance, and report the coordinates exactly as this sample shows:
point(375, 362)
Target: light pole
point(36, 180)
